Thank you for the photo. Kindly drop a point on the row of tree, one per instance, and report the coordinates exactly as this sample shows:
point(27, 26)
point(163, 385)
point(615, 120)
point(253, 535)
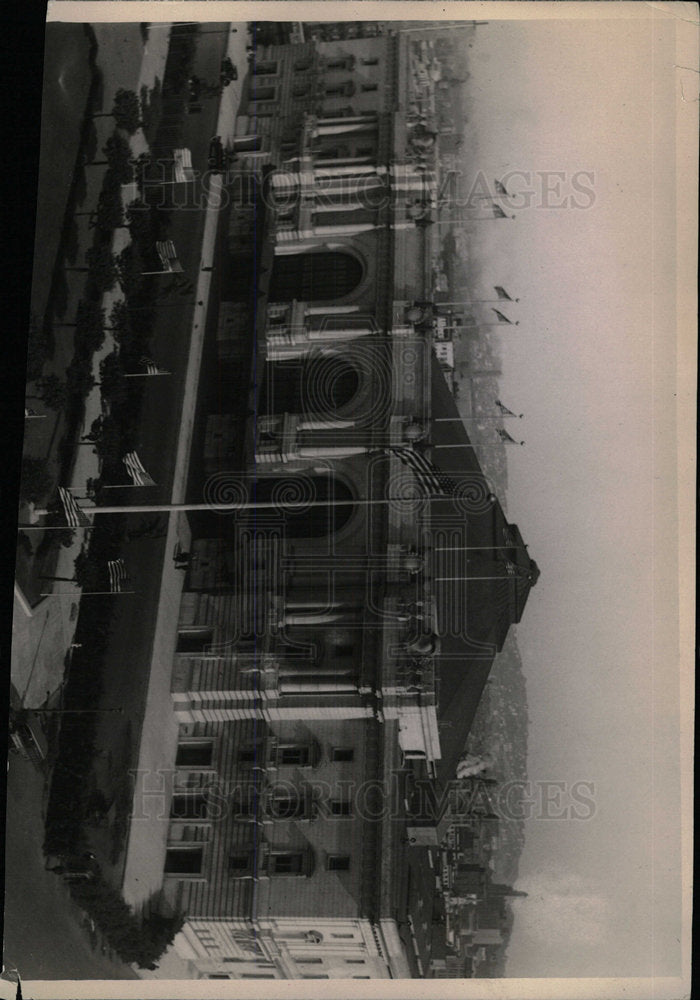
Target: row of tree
point(136, 938)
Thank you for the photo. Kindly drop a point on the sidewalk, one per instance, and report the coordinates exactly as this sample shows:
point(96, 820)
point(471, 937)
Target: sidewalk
point(145, 852)
point(42, 636)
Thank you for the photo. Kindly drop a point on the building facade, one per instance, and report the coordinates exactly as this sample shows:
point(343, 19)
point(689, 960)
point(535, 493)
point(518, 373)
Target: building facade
point(311, 630)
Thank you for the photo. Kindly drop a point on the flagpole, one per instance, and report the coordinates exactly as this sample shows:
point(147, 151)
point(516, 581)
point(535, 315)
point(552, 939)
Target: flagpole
point(473, 302)
point(469, 218)
point(233, 507)
point(146, 374)
point(469, 548)
point(86, 593)
point(478, 325)
point(468, 579)
point(485, 416)
point(457, 445)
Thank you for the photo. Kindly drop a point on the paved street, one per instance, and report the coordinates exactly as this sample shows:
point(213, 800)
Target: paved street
point(37, 902)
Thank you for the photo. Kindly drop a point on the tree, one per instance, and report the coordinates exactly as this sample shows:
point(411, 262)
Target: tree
point(110, 446)
point(86, 572)
point(138, 217)
point(52, 391)
point(120, 320)
point(118, 153)
point(36, 480)
point(89, 327)
point(130, 268)
point(113, 385)
point(127, 110)
point(102, 268)
point(109, 213)
point(79, 377)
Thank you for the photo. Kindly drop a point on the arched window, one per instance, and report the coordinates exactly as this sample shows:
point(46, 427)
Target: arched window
point(317, 384)
point(317, 275)
point(304, 516)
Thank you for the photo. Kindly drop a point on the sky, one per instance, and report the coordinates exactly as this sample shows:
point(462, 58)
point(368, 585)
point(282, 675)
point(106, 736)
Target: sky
point(590, 490)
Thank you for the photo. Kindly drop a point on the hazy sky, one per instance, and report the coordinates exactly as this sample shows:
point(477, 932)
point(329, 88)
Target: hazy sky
point(596, 304)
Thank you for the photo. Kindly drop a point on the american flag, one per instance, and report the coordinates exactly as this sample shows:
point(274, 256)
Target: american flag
point(498, 212)
point(502, 293)
point(505, 436)
point(117, 575)
point(505, 411)
point(503, 318)
point(430, 477)
point(500, 189)
point(168, 256)
point(75, 516)
point(138, 474)
point(152, 368)
point(183, 166)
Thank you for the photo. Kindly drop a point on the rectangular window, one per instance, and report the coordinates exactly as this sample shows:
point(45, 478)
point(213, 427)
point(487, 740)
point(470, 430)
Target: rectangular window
point(261, 965)
point(194, 640)
point(189, 806)
point(286, 864)
point(288, 805)
point(370, 62)
point(343, 754)
point(248, 143)
point(257, 975)
point(342, 935)
point(309, 961)
point(262, 94)
point(346, 89)
point(264, 68)
point(218, 975)
point(355, 961)
point(300, 90)
point(338, 863)
point(367, 88)
point(240, 863)
point(293, 754)
point(195, 754)
point(340, 807)
point(317, 976)
point(183, 861)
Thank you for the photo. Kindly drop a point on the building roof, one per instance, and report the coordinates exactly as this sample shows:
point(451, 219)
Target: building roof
point(493, 605)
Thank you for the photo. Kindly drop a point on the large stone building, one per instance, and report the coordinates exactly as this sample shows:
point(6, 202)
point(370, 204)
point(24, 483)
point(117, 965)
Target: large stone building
point(324, 636)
